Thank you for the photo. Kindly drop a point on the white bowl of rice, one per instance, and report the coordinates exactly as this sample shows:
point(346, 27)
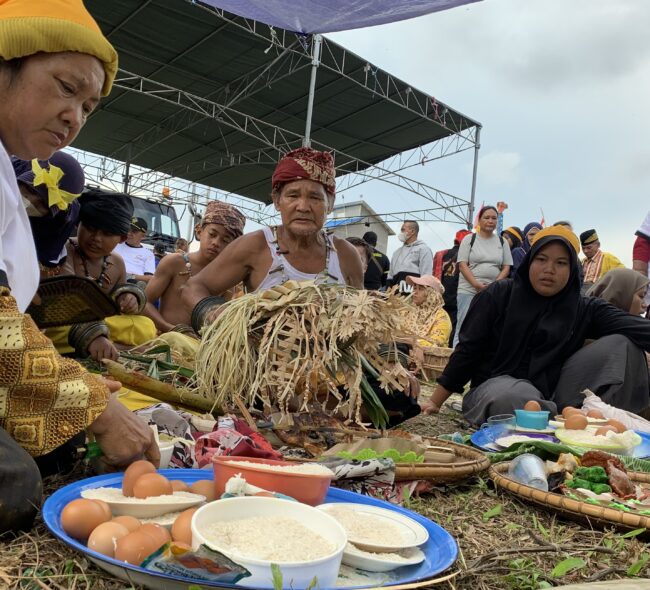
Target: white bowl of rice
point(256, 532)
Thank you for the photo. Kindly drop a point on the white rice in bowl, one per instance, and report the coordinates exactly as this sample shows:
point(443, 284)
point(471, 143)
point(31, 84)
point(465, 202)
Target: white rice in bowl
point(276, 539)
point(300, 469)
point(366, 528)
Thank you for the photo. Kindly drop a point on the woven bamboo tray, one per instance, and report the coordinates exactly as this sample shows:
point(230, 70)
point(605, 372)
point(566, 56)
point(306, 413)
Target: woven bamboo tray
point(70, 300)
point(469, 462)
point(435, 360)
point(572, 509)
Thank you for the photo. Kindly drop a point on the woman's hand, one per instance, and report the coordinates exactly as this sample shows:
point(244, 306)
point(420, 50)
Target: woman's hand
point(128, 303)
point(123, 437)
point(102, 348)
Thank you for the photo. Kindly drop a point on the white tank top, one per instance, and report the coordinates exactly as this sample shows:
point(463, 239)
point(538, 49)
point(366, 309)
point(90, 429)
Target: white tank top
point(281, 270)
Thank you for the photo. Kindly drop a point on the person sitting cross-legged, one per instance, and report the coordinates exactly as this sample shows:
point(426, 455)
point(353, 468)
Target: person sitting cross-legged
point(105, 218)
point(221, 224)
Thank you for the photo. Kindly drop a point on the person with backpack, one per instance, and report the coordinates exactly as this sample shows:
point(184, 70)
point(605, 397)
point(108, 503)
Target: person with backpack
point(483, 257)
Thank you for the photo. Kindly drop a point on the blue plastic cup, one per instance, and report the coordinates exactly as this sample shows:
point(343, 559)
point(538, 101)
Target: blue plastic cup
point(499, 426)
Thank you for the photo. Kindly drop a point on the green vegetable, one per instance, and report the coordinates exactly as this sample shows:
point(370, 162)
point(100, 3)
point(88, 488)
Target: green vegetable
point(394, 454)
point(593, 474)
point(600, 488)
point(577, 482)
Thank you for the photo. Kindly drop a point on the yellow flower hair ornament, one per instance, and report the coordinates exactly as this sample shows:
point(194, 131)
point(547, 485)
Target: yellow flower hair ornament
point(51, 178)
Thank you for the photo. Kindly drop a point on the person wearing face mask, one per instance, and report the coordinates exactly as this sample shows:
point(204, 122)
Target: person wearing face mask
point(524, 340)
point(413, 259)
point(483, 258)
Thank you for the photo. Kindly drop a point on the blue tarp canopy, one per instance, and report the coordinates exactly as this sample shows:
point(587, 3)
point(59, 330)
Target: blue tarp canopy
point(327, 16)
point(341, 222)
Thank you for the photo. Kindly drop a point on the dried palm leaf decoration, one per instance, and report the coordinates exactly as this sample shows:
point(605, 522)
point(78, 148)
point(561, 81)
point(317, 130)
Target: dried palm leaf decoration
point(290, 343)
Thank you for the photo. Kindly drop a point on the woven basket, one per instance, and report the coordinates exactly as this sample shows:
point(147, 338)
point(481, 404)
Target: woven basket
point(572, 509)
point(470, 462)
point(435, 360)
point(71, 300)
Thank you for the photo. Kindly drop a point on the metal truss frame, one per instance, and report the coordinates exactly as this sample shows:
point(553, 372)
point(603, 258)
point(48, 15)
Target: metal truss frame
point(280, 140)
point(292, 52)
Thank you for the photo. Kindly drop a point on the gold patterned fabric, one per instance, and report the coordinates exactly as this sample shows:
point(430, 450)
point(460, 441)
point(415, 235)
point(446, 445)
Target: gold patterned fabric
point(45, 399)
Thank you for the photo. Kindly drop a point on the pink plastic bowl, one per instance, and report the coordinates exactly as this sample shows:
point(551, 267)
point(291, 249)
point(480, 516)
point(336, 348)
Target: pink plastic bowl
point(306, 488)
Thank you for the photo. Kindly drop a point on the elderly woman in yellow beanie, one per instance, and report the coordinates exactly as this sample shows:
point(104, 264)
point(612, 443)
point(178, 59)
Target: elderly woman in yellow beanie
point(55, 65)
point(523, 340)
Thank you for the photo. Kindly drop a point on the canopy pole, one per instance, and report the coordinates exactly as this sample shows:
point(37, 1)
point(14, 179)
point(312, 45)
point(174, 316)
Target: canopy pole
point(315, 62)
point(127, 171)
point(477, 147)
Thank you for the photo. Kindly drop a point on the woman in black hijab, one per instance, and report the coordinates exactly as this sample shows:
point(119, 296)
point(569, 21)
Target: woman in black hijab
point(521, 335)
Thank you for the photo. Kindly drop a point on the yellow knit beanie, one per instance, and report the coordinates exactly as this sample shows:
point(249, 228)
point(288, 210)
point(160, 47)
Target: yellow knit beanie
point(52, 26)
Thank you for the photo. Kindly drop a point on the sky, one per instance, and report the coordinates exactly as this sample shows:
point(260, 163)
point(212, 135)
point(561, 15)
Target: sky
point(561, 89)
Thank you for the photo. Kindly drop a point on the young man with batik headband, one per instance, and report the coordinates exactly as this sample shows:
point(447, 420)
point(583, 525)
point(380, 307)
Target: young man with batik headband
point(105, 219)
point(221, 224)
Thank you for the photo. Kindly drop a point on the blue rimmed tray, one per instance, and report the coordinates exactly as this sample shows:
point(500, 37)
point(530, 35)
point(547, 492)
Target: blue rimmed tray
point(440, 550)
point(481, 439)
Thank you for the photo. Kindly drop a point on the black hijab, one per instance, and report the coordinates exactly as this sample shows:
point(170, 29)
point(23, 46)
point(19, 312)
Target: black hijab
point(537, 329)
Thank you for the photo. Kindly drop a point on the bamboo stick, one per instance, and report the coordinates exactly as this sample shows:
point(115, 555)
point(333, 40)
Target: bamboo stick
point(163, 392)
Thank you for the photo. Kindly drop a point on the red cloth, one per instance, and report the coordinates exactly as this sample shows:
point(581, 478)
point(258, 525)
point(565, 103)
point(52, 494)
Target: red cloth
point(306, 163)
point(239, 441)
point(641, 250)
point(438, 262)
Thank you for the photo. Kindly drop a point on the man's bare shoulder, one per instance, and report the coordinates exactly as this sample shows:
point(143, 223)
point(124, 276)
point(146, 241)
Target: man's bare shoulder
point(251, 243)
point(170, 262)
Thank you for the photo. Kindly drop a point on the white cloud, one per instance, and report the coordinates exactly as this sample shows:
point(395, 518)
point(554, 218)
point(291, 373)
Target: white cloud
point(499, 168)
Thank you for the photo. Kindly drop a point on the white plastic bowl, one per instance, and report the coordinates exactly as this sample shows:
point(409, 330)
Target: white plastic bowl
point(295, 574)
point(166, 449)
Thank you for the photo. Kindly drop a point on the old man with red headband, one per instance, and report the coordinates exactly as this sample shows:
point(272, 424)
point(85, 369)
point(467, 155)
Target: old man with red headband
point(303, 192)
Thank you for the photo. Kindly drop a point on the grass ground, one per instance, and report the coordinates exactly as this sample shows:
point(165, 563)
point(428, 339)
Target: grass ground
point(504, 543)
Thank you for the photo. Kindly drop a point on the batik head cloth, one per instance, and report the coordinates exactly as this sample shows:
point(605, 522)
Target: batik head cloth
point(226, 215)
point(306, 164)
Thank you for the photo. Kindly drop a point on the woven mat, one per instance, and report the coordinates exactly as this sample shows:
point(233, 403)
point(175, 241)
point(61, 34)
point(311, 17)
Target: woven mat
point(70, 300)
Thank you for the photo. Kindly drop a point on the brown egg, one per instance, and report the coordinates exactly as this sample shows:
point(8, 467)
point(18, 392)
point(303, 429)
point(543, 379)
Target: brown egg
point(620, 427)
point(130, 522)
point(104, 538)
point(133, 473)
point(576, 422)
point(532, 406)
point(152, 484)
point(179, 486)
point(603, 430)
point(204, 487)
point(134, 548)
point(105, 507)
point(80, 517)
point(158, 533)
point(570, 410)
point(597, 414)
point(182, 527)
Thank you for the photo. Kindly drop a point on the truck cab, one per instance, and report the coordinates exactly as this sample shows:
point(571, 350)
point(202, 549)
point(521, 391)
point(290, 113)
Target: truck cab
point(161, 220)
